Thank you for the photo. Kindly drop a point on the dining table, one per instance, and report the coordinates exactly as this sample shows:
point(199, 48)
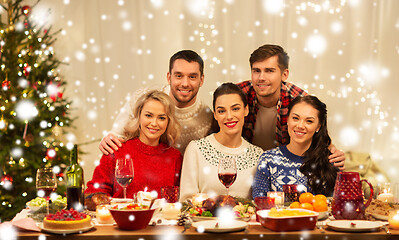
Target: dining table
point(174, 232)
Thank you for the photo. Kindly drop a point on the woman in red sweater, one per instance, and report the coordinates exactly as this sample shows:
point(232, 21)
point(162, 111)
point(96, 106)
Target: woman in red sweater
point(151, 132)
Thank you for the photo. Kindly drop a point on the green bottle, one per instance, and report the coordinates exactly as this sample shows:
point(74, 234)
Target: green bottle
point(75, 182)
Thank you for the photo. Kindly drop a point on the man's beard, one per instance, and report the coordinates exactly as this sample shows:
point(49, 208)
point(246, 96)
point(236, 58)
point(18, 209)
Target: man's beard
point(183, 100)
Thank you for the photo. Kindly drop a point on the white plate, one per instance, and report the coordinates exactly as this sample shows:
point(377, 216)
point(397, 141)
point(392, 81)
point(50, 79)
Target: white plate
point(66, 231)
point(210, 226)
point(201, 218)
point(380, 217)
point(360, 225)
point(121, 200)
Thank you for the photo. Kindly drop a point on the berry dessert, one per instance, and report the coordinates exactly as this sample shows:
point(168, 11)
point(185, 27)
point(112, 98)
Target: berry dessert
point(67, 219)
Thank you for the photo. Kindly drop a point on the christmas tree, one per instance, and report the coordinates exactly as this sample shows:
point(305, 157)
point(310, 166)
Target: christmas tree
point(33, 111)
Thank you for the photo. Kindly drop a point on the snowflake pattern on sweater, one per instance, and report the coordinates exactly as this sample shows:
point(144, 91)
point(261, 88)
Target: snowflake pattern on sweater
point(243, 161)
point(276, 168)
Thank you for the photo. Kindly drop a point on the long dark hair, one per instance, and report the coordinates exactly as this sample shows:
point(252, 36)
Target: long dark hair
point(321, 174)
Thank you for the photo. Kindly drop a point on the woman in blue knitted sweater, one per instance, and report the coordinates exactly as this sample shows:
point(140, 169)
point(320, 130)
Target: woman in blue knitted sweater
point(304, 160)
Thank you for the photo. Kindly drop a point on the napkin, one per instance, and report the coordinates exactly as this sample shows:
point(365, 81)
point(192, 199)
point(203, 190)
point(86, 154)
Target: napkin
point(26, 224)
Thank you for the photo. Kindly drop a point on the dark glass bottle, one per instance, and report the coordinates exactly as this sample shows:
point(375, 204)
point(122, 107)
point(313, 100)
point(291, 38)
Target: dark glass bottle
point(75, 182)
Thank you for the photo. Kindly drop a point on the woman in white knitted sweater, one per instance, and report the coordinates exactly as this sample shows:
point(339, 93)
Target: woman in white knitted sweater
point(201, 158)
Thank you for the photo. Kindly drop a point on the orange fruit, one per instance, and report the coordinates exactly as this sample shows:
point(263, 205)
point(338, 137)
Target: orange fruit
point(320, 205)
point(306, 197)
point(307, 206)
point(295, 205)
point(321, 197)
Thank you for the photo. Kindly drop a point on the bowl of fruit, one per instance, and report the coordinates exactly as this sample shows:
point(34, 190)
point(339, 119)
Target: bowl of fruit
point(132, 216)
point(36, 204)
point(39, 204)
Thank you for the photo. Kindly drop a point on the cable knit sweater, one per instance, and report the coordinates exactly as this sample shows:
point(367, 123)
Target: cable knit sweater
point(154, 167)
point(195, 120)
point(200, 168)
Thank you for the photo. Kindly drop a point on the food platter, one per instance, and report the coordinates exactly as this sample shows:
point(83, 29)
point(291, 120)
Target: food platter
point(305, 221)
point(66, 231)
point(380, 216)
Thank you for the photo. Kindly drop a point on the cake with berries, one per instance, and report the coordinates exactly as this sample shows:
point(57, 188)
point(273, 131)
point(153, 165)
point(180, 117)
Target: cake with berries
point(67, 219)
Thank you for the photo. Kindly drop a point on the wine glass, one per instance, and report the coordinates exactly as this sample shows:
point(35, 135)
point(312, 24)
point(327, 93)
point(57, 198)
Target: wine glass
point(227, 172)
point(124, 173)
point(46, 184)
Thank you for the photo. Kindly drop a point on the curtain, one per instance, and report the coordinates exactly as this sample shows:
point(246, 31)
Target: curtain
point(344, 52)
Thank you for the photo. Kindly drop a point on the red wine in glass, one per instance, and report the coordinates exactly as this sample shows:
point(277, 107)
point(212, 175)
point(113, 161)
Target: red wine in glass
point(47, 191)
point(227, 171)
point(124, 181)
point(227, 179)
point(124, 172)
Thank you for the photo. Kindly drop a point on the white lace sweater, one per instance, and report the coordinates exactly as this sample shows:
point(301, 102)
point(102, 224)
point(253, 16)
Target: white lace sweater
point(200, 168)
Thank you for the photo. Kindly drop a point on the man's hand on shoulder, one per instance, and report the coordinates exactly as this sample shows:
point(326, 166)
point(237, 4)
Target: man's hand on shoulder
point(110, 143)
point(337, 157)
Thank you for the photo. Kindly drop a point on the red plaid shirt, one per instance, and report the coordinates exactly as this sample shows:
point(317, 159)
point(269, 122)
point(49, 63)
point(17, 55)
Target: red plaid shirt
point(288, 92)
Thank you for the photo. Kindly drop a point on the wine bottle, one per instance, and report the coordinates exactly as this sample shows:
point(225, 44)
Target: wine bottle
point(75, 182)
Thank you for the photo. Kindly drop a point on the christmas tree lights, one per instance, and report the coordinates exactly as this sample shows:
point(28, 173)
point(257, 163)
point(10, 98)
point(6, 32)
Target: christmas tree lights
point(33, 110)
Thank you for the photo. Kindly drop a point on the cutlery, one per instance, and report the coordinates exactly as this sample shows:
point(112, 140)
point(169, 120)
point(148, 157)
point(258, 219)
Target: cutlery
point(152, 202)
point(386, 229)
point(321, 226)
point(191, 203)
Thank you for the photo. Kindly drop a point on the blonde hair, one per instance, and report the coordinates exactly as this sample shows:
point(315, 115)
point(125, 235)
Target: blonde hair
point(170, 136)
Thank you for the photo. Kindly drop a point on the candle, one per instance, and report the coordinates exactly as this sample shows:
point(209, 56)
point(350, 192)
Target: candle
point(103, 215)
point(171, 210)
point(393, 219)
point(385, 197)
point(278, 197)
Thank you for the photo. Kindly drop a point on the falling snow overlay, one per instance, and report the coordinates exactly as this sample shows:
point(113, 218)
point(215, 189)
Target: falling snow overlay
point(345, 52)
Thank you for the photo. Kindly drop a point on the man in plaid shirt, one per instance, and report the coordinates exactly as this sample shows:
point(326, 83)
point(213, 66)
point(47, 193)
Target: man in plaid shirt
point(268, 96)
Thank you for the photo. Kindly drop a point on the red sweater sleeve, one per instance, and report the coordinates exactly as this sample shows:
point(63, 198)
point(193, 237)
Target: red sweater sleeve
point(179, 163)
point(103, 176)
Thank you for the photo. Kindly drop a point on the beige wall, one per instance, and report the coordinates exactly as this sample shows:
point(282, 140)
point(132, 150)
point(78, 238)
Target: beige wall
point(356, 74)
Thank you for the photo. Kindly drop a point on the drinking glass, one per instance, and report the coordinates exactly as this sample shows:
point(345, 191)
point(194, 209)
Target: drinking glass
point(263, 203)
point(291, 193)
point(46, 183)
point(124, 173)
point(227, 172)
point(170, 193)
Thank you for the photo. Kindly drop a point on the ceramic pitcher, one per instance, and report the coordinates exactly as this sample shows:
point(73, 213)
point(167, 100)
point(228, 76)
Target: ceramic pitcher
point(348, 200)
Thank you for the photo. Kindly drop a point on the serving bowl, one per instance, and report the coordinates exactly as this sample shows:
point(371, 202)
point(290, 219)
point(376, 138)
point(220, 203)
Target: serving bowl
point(288, 223)
point(133, 219)
point(34, 208)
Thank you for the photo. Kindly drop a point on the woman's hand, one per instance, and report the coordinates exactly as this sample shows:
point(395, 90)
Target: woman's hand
point(337, 157)
point(110, 143)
